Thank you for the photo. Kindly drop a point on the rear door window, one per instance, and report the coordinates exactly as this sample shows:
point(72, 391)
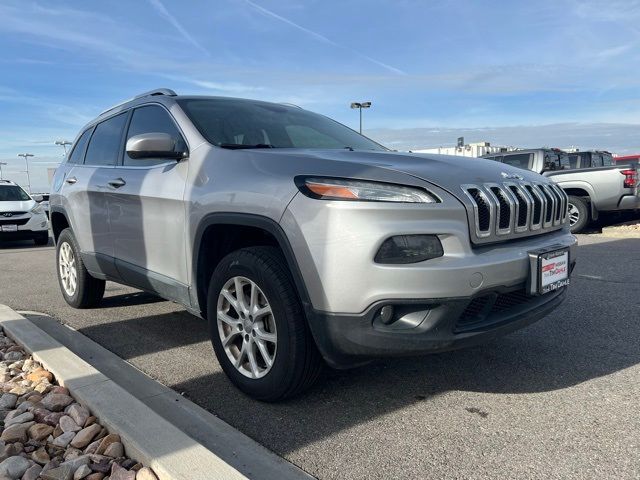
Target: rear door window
point(104, 146)
point(77, 154)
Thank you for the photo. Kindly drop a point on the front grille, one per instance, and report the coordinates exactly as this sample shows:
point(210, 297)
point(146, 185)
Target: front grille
point(513, 209)
point(13, 221)
point(13, 214)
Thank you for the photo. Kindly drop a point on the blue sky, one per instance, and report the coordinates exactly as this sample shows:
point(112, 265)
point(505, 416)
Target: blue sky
point(448, 64)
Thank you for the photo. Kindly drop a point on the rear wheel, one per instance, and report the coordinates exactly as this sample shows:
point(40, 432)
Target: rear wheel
point(78, 287)
point(257, 326)
point(578, 214)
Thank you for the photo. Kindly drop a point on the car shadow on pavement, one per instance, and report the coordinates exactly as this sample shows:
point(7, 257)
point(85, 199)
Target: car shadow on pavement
point(13, 245)
point(129, 299)
point(593, 334)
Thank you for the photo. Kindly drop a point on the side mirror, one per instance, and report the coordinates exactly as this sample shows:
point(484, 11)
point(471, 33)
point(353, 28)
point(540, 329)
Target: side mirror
point(37, 198)
point(153, 145)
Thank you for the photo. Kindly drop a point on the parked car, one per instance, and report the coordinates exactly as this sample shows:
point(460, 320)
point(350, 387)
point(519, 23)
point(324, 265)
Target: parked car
point(299, 239)
point(591, 189)
point(21, 217)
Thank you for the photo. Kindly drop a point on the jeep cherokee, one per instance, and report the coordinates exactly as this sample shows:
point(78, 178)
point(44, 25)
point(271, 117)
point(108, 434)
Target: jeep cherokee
point(301, 240)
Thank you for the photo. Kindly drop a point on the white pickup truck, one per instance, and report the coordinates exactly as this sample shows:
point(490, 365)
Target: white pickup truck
point(607, 188)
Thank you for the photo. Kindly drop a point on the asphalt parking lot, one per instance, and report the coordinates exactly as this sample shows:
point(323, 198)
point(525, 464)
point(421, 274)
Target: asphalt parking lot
point(556, 400)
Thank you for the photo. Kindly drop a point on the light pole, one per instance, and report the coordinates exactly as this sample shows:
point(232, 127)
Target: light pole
point(26, 161)
point(360, 106)
point(64, 144)
point(1, 164)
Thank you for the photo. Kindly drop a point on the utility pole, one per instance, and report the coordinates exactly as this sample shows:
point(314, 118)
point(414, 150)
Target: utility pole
point(26, 161)
point(360, 106)
point(64, 144)
point(1, 164)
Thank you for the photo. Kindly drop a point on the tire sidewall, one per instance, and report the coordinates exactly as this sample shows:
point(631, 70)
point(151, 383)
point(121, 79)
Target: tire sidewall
point(253, 269)
point(67, 237)
point(583, 211)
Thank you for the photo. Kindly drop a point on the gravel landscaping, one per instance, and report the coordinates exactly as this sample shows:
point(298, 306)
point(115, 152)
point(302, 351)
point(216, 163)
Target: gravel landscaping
point(47, 435)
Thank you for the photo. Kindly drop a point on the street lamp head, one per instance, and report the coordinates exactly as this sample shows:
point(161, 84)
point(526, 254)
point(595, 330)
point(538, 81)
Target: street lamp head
point(356, 105)
point(365, 104)
point(62, 142)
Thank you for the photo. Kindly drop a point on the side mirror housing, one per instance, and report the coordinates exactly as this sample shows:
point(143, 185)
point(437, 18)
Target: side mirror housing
point(37, 198)
point(153, 145)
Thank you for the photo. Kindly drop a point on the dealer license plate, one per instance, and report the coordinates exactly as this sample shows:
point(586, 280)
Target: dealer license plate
point(9, 228)
point(553, 271)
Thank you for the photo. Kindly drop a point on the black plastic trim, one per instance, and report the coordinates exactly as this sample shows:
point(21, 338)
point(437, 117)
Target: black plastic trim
point(198, 299)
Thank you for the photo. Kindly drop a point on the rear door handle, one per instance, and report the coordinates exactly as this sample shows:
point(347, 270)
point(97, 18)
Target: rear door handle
point(71, 180)
point(117, 183)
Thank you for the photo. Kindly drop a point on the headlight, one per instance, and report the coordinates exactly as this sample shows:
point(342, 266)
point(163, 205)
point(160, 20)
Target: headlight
point(37, 209)
point(357, 190)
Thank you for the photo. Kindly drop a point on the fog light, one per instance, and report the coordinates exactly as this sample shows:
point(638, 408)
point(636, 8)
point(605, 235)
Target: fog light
point(404, 249)
point(386, 314)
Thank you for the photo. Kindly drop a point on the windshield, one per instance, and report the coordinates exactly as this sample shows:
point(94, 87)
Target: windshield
point(235, 123)
point(13, 193)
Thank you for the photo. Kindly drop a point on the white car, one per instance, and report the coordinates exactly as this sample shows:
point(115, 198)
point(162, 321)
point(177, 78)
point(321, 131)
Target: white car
point(21, 217)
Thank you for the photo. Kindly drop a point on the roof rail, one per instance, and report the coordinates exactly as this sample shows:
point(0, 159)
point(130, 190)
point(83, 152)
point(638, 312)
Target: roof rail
point(151, 93)
point(291, 105)
point(157, 91)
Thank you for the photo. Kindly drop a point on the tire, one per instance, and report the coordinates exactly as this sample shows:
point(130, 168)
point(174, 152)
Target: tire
point(579, 216)
point(296, 361)
point(88, 290)
point(42, 239)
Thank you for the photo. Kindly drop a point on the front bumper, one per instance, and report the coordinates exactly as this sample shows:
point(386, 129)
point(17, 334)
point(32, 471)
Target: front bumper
point(434, 325)
point(335, 244)
point(28, 227)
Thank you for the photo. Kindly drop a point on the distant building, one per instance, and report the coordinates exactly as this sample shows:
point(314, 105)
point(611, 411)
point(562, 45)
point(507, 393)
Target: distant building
point(469, 150)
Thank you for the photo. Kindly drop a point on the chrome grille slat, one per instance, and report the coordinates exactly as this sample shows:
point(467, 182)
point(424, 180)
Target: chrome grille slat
point(514, 209)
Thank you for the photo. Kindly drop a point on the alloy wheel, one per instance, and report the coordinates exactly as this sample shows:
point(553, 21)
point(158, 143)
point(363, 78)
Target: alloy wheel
point(246, 327)
point(68, 271)
point(574, 214)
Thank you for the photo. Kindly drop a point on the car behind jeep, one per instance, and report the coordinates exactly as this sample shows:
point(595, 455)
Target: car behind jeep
point(301, 240)
point(21, 216)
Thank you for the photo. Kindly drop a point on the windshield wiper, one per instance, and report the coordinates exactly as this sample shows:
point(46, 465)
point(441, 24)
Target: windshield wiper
point(240, 146)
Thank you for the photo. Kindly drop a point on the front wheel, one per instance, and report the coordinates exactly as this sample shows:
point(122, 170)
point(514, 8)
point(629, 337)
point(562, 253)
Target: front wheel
point(578, 214)
point(78, 287)
point(257, 326)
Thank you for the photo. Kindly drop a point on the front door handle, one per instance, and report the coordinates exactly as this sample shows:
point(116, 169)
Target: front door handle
point(117, 183)
point(71, 180)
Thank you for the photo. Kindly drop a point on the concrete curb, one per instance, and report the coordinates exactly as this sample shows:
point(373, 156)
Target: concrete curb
point(620, 231)
point(146, 435)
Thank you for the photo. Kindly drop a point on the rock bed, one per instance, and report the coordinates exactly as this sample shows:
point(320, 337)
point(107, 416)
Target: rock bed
point(47, 435)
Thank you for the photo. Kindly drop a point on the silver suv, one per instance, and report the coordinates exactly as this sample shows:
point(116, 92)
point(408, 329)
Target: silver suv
point(301, 240)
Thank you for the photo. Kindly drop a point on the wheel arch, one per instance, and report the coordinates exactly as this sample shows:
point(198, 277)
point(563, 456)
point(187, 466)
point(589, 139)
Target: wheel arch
point(237, 230)
point(59, 221)
point(583, 191)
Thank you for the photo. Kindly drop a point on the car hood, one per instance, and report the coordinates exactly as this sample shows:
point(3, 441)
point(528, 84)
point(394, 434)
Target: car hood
point(445, 171)
point(22, 206)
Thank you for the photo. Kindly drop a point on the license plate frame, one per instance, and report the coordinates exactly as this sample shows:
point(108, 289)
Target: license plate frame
point(550, 270)
point(12, 227)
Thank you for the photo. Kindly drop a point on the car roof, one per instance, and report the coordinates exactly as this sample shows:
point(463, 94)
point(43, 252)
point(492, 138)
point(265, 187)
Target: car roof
point(7, 183)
